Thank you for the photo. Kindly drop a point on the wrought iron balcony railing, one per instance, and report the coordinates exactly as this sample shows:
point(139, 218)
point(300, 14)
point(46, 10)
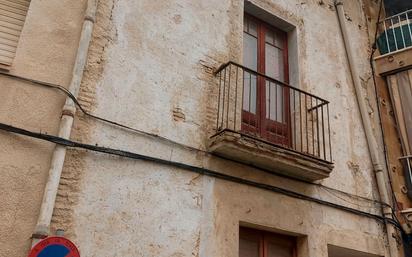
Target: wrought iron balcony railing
point(395, 32)
point(265, 109)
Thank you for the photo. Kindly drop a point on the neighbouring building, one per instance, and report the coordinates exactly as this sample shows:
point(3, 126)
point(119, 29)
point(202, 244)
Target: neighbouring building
point(220, 128)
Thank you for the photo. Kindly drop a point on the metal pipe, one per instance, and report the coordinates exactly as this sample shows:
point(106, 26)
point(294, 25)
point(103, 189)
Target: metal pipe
point(56, 166)
point(372, 143)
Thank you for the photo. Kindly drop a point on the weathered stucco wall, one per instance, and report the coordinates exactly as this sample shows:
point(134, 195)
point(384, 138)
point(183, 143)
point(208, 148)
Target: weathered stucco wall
point(150, 68)
point(46, 51)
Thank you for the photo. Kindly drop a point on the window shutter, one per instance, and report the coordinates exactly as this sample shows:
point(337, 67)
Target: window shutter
point(12, 16)
point(400, 86)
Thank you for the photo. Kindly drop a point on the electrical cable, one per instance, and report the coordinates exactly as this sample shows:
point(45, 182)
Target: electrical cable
point(85, 112)
point(347, 201)
point(196, 169)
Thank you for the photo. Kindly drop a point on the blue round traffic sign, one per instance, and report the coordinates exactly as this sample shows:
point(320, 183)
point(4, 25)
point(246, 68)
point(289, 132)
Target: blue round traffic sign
point(54, 246)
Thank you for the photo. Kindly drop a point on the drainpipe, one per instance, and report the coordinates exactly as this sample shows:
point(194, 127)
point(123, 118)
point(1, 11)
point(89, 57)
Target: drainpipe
point(66, 122)
point(372, 144)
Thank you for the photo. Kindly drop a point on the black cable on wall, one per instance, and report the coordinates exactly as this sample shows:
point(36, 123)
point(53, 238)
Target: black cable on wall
point(199, 170)
point(85, 112)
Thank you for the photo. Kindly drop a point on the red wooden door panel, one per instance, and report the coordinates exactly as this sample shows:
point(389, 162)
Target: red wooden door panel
point(279, 246)
point(250, 243)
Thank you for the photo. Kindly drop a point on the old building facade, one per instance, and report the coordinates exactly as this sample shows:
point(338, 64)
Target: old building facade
point(204, 128)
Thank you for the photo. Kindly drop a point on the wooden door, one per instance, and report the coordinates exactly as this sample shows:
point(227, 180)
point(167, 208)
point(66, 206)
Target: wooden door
point(265, 102)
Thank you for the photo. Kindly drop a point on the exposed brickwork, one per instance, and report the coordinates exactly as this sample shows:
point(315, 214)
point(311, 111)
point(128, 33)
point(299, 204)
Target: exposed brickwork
point(70, 182)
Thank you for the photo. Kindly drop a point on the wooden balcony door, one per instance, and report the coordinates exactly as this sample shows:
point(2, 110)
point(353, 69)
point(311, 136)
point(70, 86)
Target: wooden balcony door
point(265, 111)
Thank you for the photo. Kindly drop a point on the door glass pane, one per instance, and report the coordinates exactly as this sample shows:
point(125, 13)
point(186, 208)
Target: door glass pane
point(250, 26)
point(277, 250)
point(270, 37)
point(279, 40)
point(274, 102)
point(274, 66)
point(274, 92)
point(275, 39)
point(249, 92)
point(250, 60)
point(253, 28)
point(248, 248)
point(249, 51)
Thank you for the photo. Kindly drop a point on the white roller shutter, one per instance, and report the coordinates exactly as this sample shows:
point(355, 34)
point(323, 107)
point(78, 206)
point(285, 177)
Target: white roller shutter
point(12, 16)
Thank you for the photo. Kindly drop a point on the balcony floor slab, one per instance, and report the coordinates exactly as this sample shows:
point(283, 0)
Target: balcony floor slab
point(238, 147)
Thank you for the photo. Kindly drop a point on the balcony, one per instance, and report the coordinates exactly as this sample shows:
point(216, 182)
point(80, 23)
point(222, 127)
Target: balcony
point(396, 33)
point(271, 125)
point(395, 43)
